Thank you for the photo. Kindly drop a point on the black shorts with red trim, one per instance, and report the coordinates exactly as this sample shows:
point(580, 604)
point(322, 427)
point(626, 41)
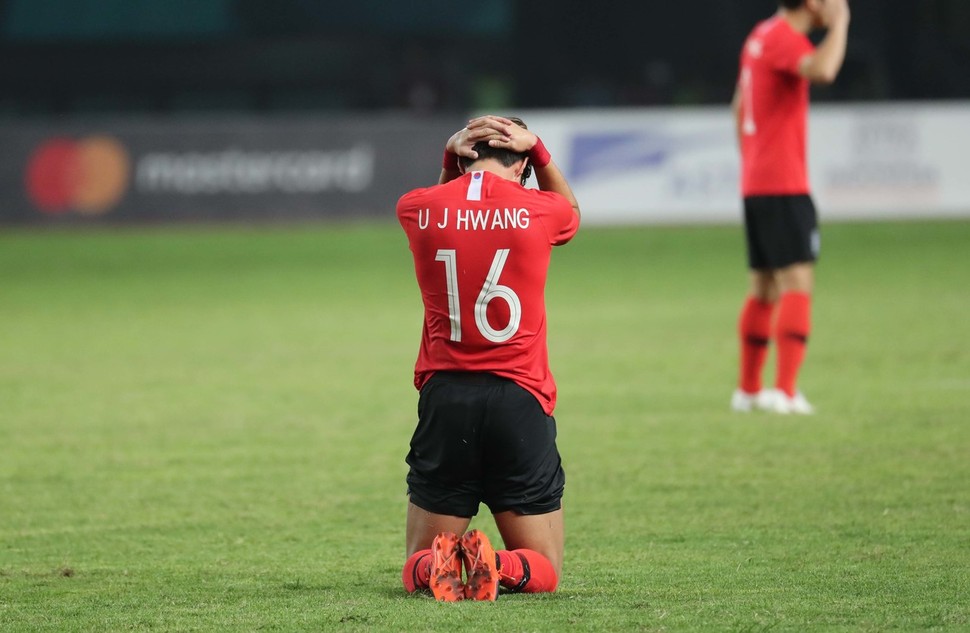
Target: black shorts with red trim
point(780, 231)
point(483, 439)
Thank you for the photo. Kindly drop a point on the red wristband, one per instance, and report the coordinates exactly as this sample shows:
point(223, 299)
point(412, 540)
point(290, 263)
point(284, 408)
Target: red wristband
point(449, 162)
point(539, 155)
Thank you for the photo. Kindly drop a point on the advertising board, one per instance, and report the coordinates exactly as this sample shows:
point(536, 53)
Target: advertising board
point(178, 169)
point(682, 165)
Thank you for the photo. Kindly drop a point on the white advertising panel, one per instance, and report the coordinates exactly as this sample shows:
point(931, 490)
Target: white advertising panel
point(902, 161)
point(681, 165)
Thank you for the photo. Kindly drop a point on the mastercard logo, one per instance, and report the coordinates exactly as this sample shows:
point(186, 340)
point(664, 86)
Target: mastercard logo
point(89, 175)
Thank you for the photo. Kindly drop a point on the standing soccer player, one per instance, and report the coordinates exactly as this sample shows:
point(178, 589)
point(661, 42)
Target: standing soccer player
point(481, 244)
point(770, 104)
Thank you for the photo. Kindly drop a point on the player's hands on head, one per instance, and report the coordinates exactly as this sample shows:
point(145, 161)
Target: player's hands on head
point(485, 128)
point(496, 130)
point(506, 133)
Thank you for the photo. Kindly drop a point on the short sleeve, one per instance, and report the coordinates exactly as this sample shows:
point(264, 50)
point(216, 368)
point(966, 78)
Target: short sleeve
point(787, 51)
point(559, 218)
point(406, 208)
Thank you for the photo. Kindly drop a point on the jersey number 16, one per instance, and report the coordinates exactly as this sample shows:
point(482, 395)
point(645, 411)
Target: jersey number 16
point(491, 290)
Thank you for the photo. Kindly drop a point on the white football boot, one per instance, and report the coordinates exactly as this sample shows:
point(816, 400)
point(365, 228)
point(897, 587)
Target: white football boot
point(780, 402)
point(744, 402)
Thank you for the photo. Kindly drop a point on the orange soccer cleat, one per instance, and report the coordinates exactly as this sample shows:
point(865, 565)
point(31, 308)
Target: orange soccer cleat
point(481, 567)
point(445, 579)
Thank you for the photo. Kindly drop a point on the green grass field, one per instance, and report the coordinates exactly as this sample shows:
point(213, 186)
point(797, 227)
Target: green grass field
point(205, 429)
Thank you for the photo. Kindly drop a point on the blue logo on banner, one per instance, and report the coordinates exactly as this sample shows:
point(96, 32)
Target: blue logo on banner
point(617, 152)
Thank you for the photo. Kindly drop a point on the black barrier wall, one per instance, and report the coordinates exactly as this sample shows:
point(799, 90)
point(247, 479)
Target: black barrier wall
point(215, 169)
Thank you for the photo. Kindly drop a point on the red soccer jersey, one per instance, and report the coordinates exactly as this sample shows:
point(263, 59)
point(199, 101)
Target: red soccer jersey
point(774, 110)
point(481, 247)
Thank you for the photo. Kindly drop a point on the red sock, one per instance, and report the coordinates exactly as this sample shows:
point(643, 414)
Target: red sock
point(791, 336)
point(417, 571)
point(754, 330)
point(526, 571)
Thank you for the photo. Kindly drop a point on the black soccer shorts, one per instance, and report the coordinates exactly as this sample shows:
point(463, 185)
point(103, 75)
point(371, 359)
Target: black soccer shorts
point(780, 231)
point(482, 438)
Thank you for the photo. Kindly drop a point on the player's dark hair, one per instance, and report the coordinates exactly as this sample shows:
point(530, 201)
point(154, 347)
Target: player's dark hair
point(504, 156)
point(791, 4)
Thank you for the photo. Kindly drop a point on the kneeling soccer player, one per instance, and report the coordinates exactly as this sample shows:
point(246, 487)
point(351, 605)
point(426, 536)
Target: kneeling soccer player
point(482, 243)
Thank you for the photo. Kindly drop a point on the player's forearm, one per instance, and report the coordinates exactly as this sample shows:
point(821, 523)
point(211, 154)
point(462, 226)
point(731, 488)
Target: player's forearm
point(823, 66)
point(447, 175)
point(550, 178)
point(449, 163)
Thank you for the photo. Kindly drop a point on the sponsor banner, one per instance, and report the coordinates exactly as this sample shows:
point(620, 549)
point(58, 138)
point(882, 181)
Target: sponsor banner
point(644, 165)
point(682, 165)
point(218, 169)
point(625, 165)
point(901, 161)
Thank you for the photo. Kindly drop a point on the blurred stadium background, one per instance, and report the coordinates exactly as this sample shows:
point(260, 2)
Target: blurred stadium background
point(169, 56)
point(118, 110)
